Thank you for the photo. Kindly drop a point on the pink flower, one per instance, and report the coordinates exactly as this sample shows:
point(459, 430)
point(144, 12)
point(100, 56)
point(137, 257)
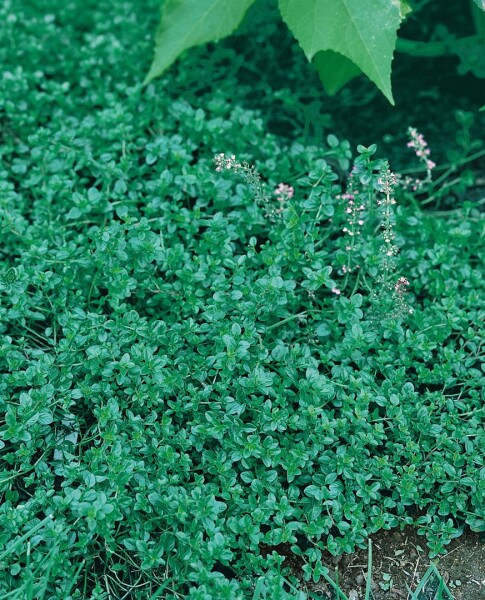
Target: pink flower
point(420, 147)
point(336, 291)
point(284, 192)
point(400, 285)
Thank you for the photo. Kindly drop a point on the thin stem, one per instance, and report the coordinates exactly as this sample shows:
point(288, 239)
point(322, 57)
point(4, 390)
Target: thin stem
point(445, 186)
point(291, 318)
point(430, 49)
point(451, 166)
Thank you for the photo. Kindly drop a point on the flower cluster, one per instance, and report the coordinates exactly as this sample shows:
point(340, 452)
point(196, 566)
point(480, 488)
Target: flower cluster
point(411, 183)
point(226, 163)
point(396, 291)
point(354, 221)
point(249, 173)
point(401, 285)
point(283, 193)
point(354, 217)
point(420, 147)
point(400, 305)
point(387, 183)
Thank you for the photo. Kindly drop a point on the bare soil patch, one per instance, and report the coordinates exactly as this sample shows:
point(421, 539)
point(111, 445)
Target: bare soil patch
point(399, 561)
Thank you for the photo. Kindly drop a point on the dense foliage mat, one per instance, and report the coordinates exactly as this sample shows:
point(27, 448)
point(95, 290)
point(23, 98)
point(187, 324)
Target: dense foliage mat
point(189, 377)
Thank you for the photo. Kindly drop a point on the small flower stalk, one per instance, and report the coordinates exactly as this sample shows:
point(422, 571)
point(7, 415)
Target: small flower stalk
point(250, 174)
point(401, 307)
point(395, 290)
point(226, 163)
point(354, 218)
point(283, 192)
point(354, 221)
point(422, 151)
point(420, 147)
point(387, 183)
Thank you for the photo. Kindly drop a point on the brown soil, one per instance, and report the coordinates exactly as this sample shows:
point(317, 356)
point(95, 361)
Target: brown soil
point(399, 561)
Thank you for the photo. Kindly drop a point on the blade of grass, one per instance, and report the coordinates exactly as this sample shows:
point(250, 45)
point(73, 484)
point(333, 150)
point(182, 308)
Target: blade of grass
point(259, 589)
point(12, 594)
point(74, 579)
point(340, 594)
point(21, 539)
point(442, 584)
point(295, 589)
point(432, 570)
point(369, 572)
point(46, 581)
point(161, 589)
point(26, 591)
point(421, 584)
point(29, 590)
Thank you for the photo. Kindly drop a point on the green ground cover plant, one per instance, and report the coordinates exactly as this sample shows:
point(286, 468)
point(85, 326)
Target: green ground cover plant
point(200, 363)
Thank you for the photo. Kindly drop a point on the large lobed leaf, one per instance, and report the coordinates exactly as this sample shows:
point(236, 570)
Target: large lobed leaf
point(334, 70)
point(188, 23)
point(363, 32)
